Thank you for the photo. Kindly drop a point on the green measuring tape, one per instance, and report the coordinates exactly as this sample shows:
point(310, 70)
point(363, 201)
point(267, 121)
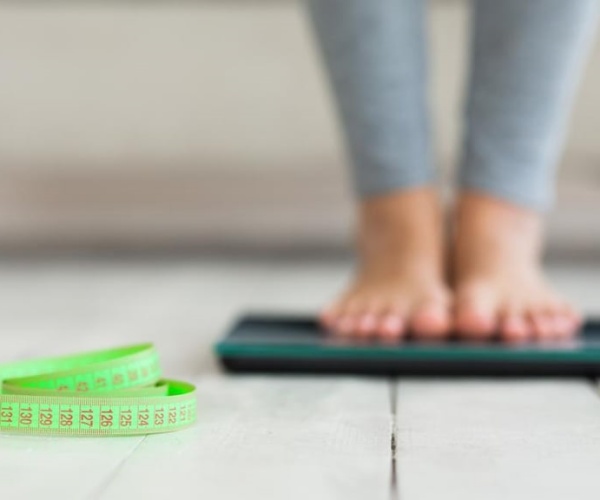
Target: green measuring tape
point(104, 393)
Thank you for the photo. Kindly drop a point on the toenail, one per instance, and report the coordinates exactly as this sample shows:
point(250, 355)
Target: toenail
point(344, 325)
point(392, 325)
point(368, 321)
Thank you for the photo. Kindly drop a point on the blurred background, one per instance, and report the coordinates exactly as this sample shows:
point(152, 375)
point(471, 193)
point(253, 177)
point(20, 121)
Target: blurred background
point(203, 125)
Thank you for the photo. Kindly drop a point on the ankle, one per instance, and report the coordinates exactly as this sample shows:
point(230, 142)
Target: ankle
point(402, 229)
point(401, 211)
point(474, 209)
point(493, 231)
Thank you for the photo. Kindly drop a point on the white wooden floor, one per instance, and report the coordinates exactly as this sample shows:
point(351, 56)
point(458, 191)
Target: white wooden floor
point(293, 437)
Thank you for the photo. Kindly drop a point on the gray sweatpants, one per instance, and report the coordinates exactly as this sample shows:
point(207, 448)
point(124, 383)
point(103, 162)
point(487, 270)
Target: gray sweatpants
point(526, 59)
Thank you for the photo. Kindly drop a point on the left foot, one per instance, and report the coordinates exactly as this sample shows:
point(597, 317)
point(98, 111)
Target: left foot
point(500, 288)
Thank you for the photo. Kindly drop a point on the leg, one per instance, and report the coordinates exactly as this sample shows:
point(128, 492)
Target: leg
point(527, 57)
point(375, 55)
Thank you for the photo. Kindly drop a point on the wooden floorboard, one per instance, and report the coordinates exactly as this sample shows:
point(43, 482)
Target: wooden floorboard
point(33, 467)
point(257, 438)
point(498, 440)
point(291, 437)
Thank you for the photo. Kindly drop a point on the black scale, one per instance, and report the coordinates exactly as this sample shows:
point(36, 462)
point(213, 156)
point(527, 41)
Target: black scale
point(295, 344)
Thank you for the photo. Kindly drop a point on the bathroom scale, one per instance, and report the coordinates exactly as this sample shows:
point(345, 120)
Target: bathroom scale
point(297, 344)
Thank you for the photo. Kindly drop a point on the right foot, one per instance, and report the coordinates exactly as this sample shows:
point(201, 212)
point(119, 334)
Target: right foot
point(400, 285)
point(500, 288)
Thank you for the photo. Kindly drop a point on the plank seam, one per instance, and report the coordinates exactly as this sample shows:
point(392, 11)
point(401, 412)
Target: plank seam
point(394, 494)
point(595, 386)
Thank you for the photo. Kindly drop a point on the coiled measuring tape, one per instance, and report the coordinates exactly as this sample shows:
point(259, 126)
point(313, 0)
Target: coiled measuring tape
point(104, 393)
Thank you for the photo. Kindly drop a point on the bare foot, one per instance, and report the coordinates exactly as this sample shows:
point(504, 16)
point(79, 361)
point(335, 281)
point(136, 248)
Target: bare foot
point(400, 281)
point(499, 284)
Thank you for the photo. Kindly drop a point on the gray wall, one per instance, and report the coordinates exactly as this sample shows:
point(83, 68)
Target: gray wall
point(205, 124)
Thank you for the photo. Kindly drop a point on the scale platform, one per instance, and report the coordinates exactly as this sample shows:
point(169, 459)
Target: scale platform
point(296, 344)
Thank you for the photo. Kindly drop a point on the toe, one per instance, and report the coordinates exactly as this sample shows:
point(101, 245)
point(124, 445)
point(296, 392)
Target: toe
point(514, 327)
point(565, 327)
point(334, 316)
point(543, 325)
point(345, 321)
point(329, 316)
point(569, 320)
point(391, 326)
point(431, 320)
point(570, 327)
point(368, 317)
point(476, 315)
point(476, 323)
point(565, 322)
point(560, 326)
point(553, 320)
point(342, 326)
point(366, 324)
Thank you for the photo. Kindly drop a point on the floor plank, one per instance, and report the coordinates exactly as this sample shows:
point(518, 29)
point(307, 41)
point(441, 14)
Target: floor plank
point(35, 467)
point(504, 440)
point(257, 438)
point(282, 437)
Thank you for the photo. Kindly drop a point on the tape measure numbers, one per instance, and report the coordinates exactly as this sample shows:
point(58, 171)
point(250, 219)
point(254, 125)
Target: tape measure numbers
point(103, 393)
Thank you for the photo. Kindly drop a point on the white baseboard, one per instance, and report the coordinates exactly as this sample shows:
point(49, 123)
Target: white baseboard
point(293, 210)
point(213, 209)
